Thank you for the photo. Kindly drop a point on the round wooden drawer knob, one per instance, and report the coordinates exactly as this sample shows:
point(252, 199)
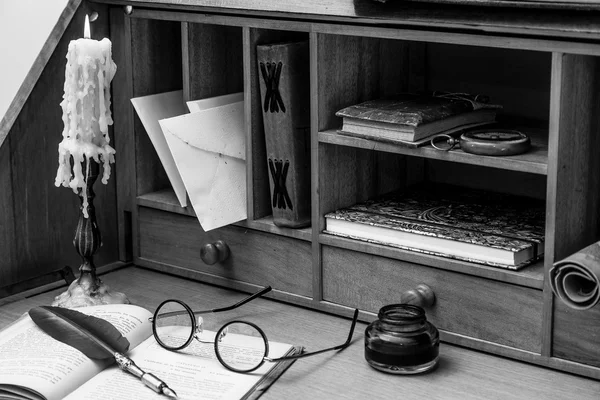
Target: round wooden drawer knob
point(211, 253)
point(421, 296)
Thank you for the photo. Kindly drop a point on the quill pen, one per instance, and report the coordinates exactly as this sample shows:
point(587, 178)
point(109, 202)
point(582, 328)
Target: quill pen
point(94, 337)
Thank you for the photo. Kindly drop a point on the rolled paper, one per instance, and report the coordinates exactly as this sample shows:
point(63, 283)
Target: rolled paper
point(86, 114)
point(576, 279)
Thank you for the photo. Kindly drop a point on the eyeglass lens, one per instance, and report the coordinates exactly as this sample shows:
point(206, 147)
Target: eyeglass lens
point(173, 325)
point(241, 346)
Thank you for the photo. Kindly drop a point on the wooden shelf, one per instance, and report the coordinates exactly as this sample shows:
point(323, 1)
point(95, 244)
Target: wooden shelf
point(535, 161)
point(531, 276)
point(166, 200)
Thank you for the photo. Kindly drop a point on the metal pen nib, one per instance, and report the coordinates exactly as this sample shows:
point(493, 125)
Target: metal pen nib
point(169, 392)
point(148, 379)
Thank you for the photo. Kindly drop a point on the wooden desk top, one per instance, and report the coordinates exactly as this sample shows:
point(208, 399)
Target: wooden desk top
point(462, 373)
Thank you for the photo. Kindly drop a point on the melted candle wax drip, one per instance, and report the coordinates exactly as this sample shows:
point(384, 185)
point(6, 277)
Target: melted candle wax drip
point(86, 113)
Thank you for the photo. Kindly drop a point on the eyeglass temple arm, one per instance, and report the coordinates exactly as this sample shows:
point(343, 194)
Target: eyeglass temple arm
point(238, 304)
point(312, 353)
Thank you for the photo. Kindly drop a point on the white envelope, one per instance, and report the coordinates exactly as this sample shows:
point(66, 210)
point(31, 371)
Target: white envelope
point(152, 108)
point(208, 146)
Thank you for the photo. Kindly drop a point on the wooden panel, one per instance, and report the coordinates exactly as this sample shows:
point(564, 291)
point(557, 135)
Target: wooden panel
point(466, 305)
point(156, 62)
point(46, 216)
point(260, 200)
point(122, 89)
point(576, 334)
point(256, 257)
point(9, 268)
point(215, 60)
point(348, 73)
point(510, 20)
point(574, 193)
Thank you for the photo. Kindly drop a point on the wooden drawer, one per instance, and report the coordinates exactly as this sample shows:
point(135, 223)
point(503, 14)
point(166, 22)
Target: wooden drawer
point(576, 334)
point(256, 257)
point(476, 307)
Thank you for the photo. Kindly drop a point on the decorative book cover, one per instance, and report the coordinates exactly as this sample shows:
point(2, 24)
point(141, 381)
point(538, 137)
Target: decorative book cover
point(505, 230)
point(412, 116)
point(284, 87)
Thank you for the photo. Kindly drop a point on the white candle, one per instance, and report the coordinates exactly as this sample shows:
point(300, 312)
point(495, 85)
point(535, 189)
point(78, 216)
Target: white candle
point(86, 112)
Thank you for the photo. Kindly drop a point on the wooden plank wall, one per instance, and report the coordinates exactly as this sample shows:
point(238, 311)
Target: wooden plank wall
point(37, 219)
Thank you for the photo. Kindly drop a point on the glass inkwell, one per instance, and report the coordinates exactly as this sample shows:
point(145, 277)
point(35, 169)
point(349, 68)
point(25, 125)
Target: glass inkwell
point(401, 340)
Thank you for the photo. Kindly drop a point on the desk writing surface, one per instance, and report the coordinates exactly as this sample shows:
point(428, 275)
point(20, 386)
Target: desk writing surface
point(462, 373)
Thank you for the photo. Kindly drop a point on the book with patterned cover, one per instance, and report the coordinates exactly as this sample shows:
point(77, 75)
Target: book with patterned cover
point(490, 228)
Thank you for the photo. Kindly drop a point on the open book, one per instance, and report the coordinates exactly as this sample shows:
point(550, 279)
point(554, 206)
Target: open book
point(35, 366)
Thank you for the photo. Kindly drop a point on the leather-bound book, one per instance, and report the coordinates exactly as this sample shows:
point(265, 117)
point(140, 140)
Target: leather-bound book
point(283, 71)
point(410, 117)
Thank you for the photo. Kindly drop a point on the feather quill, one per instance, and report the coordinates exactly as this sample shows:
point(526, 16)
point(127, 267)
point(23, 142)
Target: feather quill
point(94, 337)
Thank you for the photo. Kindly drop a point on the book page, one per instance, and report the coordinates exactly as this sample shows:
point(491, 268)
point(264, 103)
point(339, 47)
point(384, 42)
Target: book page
point(31, 359)
point(192, 373)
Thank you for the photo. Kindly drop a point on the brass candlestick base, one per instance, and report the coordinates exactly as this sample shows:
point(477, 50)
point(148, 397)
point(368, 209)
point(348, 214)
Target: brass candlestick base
point(88, 289)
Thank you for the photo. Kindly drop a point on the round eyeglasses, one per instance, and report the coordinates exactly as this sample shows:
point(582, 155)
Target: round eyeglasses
point(240, 346)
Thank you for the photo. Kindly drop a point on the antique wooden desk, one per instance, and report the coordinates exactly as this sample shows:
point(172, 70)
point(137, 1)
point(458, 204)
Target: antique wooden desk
point(462, 373)
point(543, 65)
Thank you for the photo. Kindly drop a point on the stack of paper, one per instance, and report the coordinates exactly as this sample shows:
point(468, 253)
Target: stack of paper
point(203, 152)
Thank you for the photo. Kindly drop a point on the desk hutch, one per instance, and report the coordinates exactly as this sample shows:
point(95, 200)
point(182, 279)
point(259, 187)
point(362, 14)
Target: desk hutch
point(541, 63)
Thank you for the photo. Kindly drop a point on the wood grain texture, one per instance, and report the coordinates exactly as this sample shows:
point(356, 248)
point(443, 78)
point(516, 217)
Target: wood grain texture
point(122, 89)
point(256, 257)
point(9, 267)
point(465, 305)
point(576, 334)
point(573, 193)
point(463, 374)
point(37, 68)
point(215, 60)
point(46, 216)
point(436, 16)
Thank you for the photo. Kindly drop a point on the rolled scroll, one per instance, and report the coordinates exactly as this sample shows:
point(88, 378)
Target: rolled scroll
point(576, 279)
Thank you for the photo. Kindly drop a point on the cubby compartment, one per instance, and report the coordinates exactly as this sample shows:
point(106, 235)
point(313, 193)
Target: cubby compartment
point(353, 69)
point(516, 79)
point(260, 202)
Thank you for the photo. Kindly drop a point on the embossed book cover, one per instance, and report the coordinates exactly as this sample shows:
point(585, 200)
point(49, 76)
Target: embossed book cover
point(283, 71)
point(490, 228)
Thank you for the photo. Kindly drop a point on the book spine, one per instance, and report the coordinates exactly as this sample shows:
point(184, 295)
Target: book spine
point(283, 71)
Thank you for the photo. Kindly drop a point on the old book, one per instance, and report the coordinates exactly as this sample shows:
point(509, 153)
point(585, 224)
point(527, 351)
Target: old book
point(490, 228)
point(283, 70)
point(412, 117)
point(35, 366)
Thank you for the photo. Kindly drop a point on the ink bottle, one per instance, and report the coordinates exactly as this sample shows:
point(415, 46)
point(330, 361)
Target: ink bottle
point(402, 341)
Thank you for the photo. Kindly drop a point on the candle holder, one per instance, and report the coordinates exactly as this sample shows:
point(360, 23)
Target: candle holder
point(88, 289)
